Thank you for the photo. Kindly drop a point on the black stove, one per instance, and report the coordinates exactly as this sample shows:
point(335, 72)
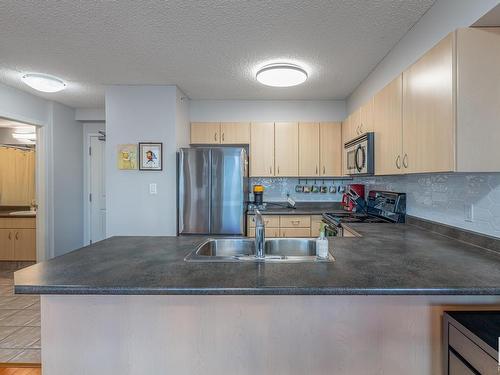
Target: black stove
point(381, 207)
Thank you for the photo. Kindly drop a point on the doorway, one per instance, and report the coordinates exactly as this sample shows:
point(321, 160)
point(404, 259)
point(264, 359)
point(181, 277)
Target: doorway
point(96, 200)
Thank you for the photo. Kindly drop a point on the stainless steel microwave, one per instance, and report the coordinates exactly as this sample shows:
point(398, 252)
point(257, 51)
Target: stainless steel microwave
point(360, 155)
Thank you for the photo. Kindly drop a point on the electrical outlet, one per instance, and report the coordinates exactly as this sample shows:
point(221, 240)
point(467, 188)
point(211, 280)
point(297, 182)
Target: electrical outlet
point(469, 212)
point(152, 189)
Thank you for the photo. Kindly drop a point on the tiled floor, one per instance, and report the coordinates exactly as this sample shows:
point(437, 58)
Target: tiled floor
point(19, 320)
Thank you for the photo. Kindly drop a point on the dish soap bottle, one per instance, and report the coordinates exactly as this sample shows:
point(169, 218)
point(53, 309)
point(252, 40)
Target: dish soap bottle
point(322, 243)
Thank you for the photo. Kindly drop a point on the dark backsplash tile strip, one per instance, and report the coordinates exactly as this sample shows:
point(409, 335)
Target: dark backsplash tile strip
point(473, 238)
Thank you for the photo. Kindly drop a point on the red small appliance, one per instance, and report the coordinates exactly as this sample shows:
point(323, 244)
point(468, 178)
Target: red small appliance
point(353, 189)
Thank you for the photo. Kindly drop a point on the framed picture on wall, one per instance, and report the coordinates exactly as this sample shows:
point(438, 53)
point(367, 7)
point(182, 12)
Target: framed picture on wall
point(150, 156)
point(127, 156)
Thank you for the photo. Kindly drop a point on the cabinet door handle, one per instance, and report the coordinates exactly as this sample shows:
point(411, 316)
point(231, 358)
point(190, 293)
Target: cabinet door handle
point(316, 169)
point(215, 137)
point(10, 236)
point(17, 235)
point(324, 170)
point(270, 170)
point(222, 137)
point(398, 162)
point(361, 129)
point(278, 169)
point(405, 161)
point(295, 222)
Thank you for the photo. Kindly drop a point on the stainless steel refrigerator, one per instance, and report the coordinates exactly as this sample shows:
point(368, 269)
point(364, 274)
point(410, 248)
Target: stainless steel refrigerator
point(213, 190)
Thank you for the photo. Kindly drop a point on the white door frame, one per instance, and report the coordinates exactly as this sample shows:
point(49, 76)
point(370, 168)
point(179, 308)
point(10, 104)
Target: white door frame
point(43, 186)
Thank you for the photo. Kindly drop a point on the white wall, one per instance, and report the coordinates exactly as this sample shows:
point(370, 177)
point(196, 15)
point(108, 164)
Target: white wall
point(67, 180)
point(267, 110)
point(442, 18)
point(59, 168)
point(22, 106)
point(182, 119)
point(135, 114)
point(90, 114)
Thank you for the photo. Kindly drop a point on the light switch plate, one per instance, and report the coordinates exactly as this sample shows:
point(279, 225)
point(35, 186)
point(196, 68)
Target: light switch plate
point(152, 189)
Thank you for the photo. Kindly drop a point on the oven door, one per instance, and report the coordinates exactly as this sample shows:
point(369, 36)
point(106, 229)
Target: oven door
point(332, 230)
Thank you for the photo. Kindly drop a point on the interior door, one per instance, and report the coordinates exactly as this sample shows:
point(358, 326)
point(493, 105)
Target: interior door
point(97, 190)
point(228, 180)
point(194, 191)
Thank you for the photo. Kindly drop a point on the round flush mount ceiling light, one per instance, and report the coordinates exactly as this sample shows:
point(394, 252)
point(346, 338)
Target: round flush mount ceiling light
point(43, 82)
point(281, 75)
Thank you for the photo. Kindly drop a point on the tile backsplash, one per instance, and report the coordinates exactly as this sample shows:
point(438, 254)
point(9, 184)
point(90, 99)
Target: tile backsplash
point(447, 198)
point(277, 188)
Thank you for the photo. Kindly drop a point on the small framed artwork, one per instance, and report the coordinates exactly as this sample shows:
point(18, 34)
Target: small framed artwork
point(150, 156)
point(127, 156)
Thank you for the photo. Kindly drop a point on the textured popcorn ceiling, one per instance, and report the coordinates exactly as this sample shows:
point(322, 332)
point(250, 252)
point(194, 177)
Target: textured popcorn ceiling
point(210, 49)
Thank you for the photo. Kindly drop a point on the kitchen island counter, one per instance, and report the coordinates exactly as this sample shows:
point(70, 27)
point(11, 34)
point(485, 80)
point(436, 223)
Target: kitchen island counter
point(389, 259)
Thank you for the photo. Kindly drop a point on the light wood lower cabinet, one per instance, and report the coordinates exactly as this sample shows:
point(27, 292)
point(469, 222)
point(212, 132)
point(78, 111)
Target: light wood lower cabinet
point(270, 232)
point(316, 221)
point(295, 232)
point(287, 225)
point(17, 239)
point(6, 245)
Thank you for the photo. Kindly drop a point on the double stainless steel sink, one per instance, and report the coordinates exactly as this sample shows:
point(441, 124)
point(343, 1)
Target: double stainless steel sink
point(243, 250)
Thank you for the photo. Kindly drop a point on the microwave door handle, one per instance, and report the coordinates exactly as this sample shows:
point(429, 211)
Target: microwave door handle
point(358, 149)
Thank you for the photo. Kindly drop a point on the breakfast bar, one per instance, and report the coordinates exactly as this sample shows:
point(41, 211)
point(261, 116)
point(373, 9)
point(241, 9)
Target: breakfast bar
point(131, 311)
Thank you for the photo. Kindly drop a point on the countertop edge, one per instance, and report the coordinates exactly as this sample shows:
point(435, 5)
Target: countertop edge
point(83, 290)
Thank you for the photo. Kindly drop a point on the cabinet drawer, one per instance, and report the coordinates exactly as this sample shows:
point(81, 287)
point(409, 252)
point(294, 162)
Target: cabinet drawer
point(295, 221)
point(472, 353)
point(271, 221)
point(457, 367)
point(295, 232)
point(270, 232)
point(14, 223)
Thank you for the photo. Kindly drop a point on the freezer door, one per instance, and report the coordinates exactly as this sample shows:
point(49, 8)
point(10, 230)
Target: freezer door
point(229, 166)
point(194, 191)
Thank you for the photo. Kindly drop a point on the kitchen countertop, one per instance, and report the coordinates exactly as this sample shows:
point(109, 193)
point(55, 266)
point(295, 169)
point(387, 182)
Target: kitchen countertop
point(390, 259)
point(8, 214)
point(301, 208)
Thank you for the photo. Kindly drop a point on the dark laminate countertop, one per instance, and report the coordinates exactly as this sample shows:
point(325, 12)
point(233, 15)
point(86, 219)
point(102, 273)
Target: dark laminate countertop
point(301, 208)
point(388, 259)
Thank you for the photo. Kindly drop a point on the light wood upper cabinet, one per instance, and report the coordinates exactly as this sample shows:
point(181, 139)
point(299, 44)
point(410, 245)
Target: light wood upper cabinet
point(309, 149)
point(478, 99)
point(330, 148)
point(262, 149)
point(366, 118)
point(236, 133)
point(205, 132)
point(286, 149)
point(388, 128)
point(429, 112)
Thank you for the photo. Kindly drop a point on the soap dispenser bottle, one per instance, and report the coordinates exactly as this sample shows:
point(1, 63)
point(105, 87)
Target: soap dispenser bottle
point(322, 243)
